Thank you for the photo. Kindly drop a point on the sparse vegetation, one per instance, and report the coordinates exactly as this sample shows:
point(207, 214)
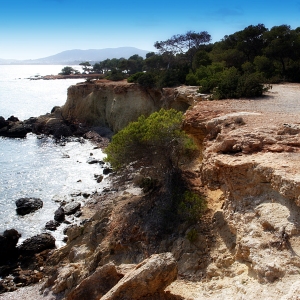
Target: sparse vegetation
point(192, 235)
point(191, 207)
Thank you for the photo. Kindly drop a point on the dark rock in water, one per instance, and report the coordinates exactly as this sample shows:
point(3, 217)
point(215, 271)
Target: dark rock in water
point(14, 130)
point(107, 171)
point(37, 243)
point(52, 225)
point(59, 215)
point(30, 121)
point(12, 127)
point(99, 178)
point(62, 131)
point(3, 123)
point(28, 205)
point(71, 208)
point(8, 242)
point(13, 119)
point(92, 160)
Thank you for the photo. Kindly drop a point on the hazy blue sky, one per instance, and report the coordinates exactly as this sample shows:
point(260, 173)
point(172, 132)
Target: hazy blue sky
point(32, 29)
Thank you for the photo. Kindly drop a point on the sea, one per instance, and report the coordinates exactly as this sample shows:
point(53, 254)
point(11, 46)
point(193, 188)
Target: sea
point(38, 166)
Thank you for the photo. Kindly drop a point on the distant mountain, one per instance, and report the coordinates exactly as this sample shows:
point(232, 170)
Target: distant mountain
point(8, 61)
point(77, 56)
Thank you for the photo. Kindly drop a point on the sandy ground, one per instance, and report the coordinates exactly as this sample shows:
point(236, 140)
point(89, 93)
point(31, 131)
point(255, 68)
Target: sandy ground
point(281, 104)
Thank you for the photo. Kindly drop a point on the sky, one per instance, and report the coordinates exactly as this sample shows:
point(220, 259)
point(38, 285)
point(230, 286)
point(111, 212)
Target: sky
point(31, 29)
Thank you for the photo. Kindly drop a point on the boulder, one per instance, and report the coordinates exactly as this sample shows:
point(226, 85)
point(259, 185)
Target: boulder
point(72, 208)
point(28, 205)
point(37, 243)
point(97, 284)
point(3, 123)
point(52, 225)
point(13, 119)
point(59, 215)
point(107, 171)
point(14, 130)
point(62, 131)
point(151, 276)
point(8, 242)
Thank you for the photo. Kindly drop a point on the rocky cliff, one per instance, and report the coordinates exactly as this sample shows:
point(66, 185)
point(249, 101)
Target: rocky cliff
point(250, 166)
point(115, 104)
point(247, 245)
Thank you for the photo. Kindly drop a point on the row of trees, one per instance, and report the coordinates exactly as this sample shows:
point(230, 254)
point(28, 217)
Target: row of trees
point(236, 66)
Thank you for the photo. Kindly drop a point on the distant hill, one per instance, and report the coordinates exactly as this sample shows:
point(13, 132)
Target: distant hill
point(77, 56)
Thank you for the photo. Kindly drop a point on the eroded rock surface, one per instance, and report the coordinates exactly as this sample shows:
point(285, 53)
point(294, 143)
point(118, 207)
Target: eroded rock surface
point(115, 104)
point(246, 245)
point(149, 277)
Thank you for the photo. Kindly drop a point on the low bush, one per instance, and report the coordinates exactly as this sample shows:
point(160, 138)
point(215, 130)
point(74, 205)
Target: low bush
point(155, 140)
point(191, 207)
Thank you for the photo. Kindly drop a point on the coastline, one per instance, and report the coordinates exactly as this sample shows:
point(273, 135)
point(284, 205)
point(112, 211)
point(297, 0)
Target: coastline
point(72, 76)
point(249, 174)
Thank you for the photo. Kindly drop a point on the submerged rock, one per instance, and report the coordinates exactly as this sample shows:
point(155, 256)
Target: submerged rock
point(28, 205)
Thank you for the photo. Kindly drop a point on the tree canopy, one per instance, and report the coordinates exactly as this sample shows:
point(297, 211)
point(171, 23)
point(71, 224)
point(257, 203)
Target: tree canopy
point(160, 134)
point(68, 71)
point(255, 56)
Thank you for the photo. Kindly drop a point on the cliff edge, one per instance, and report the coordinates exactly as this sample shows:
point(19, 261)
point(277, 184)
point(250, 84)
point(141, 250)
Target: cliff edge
point(116, 103)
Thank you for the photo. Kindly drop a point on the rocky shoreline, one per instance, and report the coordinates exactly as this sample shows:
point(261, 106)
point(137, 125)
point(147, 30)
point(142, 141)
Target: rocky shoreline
point(245, 245)
point(20, 267)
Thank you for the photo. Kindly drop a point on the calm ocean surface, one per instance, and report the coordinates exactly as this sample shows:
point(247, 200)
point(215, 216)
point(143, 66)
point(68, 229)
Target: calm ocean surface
point(34, 167)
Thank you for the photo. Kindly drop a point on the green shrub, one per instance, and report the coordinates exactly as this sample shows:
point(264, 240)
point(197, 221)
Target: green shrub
point(67, 71)
point(191, 79)
point(192, 235)
point(227, 86)
point(191, 207)
point(115, 75)
point(250, 85)
point(134, 78)
point(157, 139)
point(146, 80)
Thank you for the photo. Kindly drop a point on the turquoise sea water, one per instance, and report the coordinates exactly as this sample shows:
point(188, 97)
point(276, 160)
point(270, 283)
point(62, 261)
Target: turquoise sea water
point(35, 167)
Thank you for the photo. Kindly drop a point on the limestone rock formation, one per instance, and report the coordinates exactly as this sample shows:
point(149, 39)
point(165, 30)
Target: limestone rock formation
point(97, 284)
point(115, 104)
point(149, 277)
